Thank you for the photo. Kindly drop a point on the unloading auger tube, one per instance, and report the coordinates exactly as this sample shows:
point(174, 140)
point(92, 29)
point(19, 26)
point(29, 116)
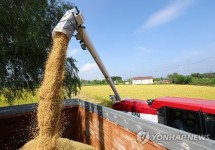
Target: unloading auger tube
point(73, 21)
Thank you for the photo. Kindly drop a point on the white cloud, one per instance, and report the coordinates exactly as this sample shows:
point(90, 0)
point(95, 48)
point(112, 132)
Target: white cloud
point(89, 68)
point(90, 71)
point(166, 14)
point(72, 52)
point(101, 78)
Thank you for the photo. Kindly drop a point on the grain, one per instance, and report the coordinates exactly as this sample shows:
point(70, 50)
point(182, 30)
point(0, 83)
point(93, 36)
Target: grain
point(50, 102)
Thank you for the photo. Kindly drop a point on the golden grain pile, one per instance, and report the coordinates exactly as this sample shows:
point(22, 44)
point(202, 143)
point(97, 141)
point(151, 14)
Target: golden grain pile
point(49, 109)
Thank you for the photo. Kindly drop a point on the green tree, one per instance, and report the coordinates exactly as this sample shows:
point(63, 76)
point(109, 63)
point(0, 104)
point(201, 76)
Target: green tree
point(25, 39)
point(156, 80)
point(179, 79)
point(116, 78)
point(196, 75)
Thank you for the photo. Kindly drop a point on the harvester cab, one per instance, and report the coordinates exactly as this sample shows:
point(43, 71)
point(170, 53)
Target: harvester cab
point(192, 115)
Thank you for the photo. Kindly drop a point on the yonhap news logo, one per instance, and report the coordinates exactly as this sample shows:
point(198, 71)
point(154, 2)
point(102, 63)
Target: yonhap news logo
point(144, 136)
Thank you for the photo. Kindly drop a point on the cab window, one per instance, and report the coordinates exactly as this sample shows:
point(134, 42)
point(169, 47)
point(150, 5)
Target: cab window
point(185, 120)
point(210, 125)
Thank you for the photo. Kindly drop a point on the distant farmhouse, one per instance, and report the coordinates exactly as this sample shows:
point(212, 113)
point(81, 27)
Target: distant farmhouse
point(142, 80)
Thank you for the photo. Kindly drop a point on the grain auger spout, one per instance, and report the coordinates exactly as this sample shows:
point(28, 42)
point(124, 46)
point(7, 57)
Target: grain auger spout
point(72, 21)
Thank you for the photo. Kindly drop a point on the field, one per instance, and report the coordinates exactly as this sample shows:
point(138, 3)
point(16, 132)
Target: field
point(29, 99)
point(100, 94)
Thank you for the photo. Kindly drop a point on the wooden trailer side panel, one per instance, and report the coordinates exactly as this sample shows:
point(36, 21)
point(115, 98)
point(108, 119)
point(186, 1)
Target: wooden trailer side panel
point(104, 134)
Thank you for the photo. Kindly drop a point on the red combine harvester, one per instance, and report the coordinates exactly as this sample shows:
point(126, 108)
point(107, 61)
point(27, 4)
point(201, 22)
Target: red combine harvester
point(196, 116)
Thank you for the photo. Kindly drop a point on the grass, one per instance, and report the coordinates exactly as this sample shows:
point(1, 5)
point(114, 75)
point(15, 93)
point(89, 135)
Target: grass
point(100, 94)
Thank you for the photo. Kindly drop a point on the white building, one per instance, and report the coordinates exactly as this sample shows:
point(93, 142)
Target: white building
point(142, 80)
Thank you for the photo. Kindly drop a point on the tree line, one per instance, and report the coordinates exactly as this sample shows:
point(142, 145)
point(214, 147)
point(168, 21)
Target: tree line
point(115, 79)
point(206, 79)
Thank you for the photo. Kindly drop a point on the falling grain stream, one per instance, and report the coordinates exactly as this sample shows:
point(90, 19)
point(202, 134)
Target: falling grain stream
point(50, 104)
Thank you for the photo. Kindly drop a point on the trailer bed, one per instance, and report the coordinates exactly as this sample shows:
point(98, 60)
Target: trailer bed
point(92, 124)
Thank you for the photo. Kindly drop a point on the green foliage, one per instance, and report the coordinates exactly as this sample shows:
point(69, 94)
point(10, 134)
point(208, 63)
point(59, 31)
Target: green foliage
point(118, 79)
point(179, 79)
point(204, 75)
point(72, 82)
point(156, 79)
point(93, 82)
point(25, 39)
point(203, 81)
point(207, 79)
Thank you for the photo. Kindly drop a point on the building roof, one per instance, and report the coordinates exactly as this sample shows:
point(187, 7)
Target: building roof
point(142, 78)
point(193, 104)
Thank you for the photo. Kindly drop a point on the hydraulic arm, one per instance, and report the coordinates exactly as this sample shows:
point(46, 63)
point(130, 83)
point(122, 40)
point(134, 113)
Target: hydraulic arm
point(73, 21)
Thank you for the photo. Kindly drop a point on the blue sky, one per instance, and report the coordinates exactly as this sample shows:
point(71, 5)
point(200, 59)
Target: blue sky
point(147, 37)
